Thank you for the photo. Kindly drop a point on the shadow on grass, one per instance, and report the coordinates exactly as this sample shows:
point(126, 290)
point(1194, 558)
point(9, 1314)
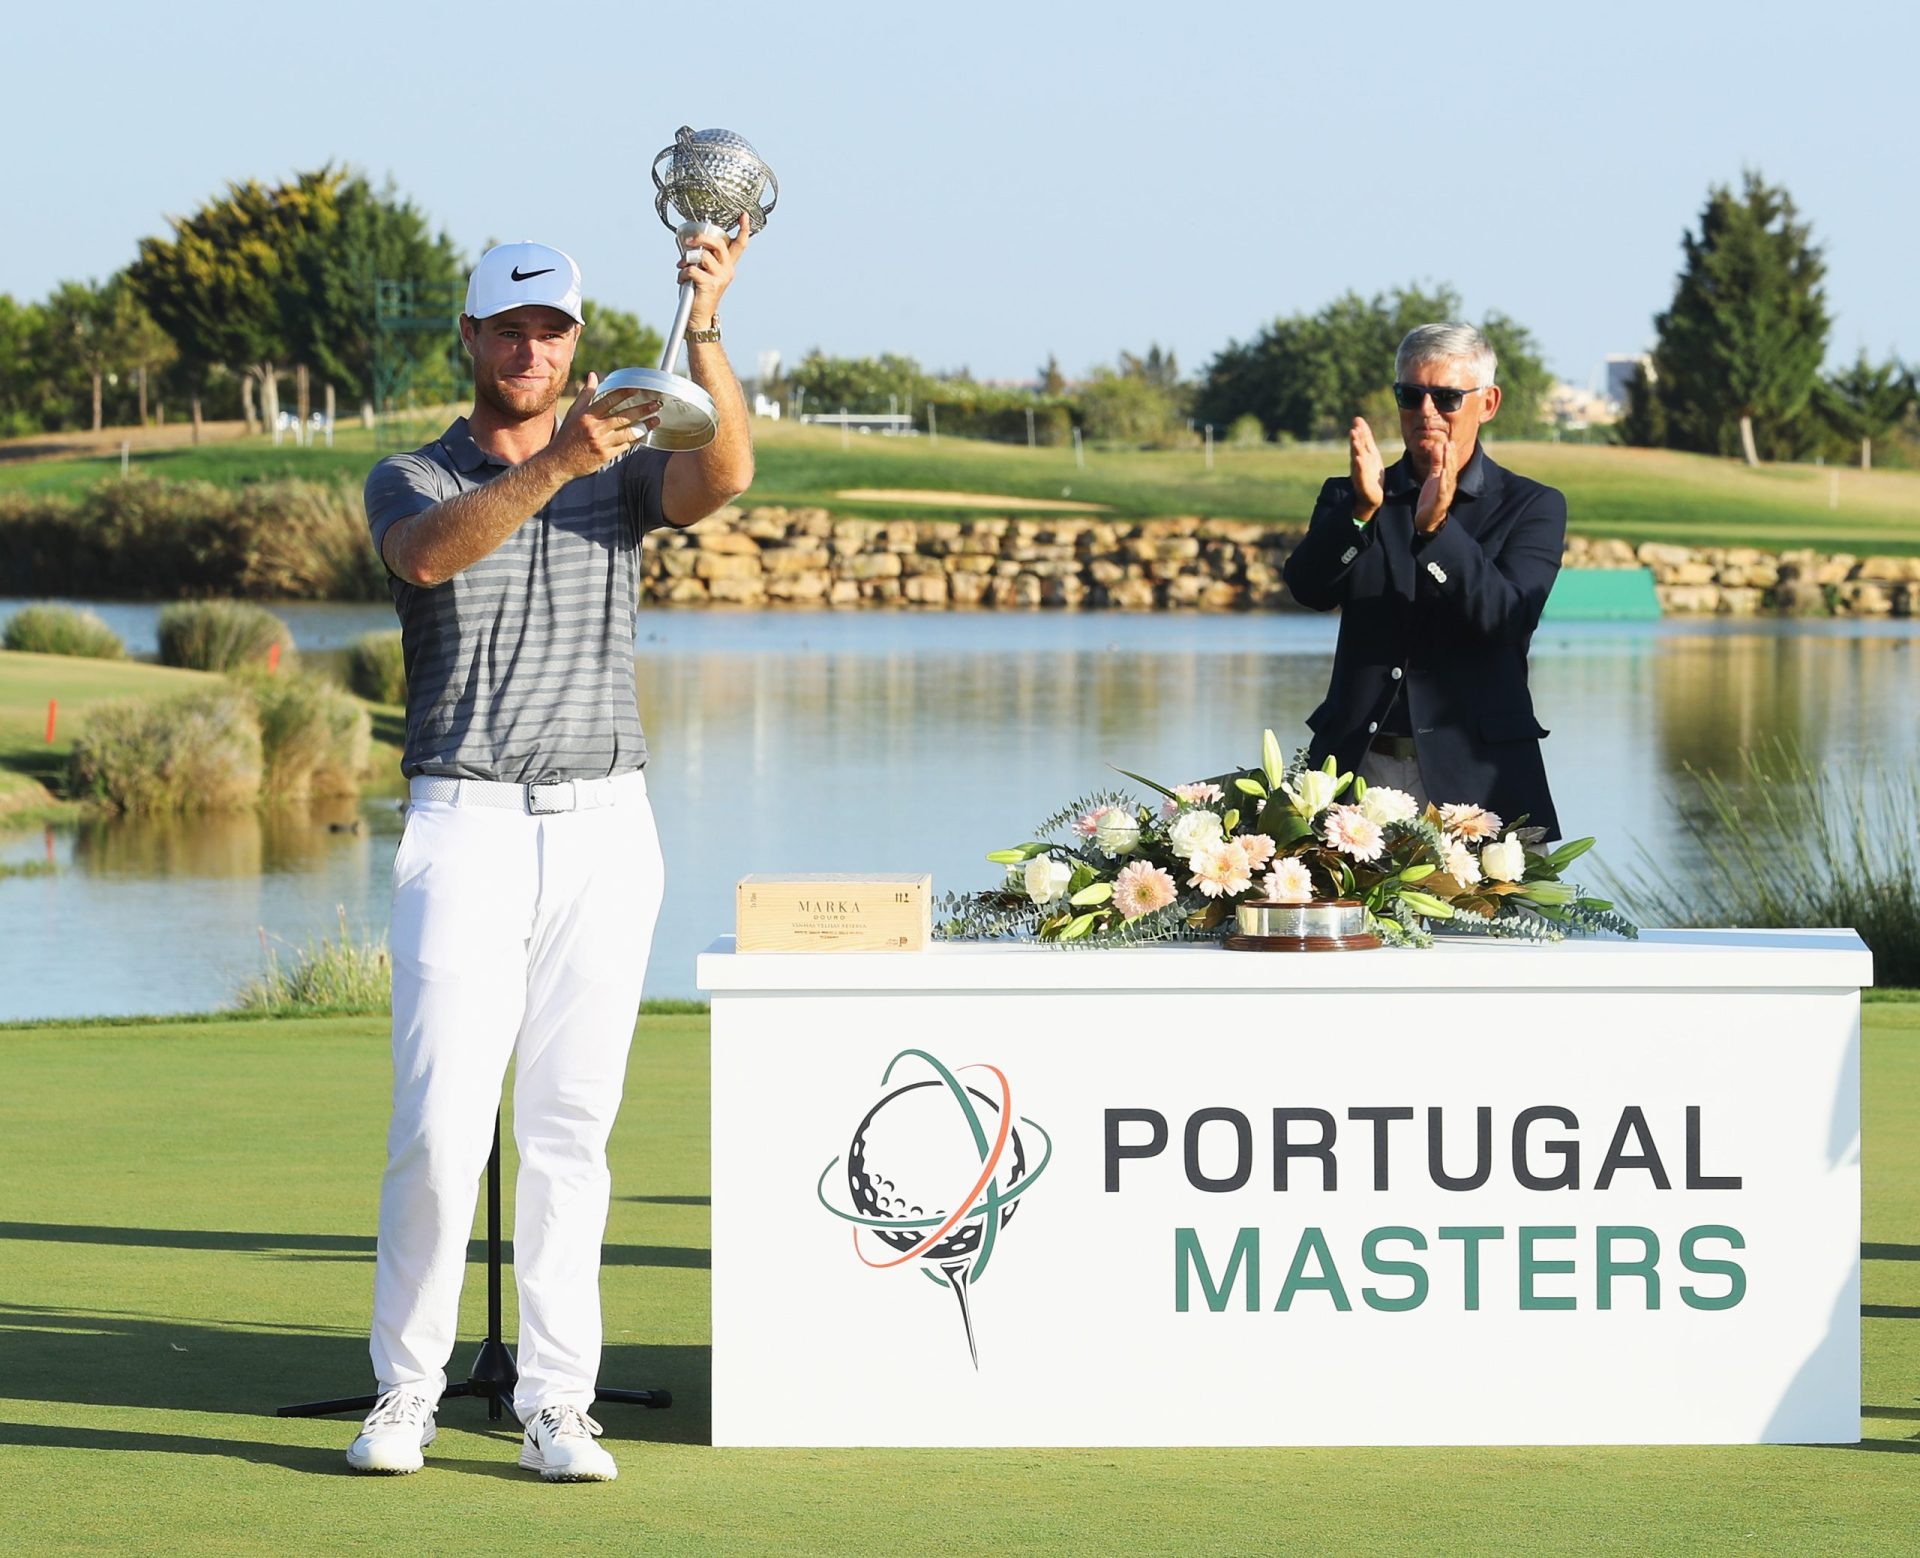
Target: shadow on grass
point(668, 1200)
point(1890, 1312)
point(1890, 1252)
point(316, 1246)
point(115, 1358)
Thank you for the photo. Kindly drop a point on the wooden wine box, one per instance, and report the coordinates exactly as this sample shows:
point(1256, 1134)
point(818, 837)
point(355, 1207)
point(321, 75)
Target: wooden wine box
point(834, 912)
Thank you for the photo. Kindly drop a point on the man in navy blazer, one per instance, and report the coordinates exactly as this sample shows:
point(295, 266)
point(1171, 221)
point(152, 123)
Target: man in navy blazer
point(1440, 565)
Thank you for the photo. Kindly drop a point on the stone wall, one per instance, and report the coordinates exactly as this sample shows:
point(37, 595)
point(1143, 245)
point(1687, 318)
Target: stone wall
point(808, 557)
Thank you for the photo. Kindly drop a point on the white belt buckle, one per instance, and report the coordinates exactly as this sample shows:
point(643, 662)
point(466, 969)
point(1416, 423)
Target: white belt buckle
point(538, 804)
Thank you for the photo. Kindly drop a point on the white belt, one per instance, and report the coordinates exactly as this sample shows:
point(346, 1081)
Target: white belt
point(538, 800)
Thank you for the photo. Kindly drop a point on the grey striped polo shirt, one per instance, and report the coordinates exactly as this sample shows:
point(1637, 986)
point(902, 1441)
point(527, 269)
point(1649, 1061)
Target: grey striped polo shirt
point(520, 667)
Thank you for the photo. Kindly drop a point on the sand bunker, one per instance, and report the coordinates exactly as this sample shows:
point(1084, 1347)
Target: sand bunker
point(968, 500)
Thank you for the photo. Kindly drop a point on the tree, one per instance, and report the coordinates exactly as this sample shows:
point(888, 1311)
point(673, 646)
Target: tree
point(265, 276)
point(1862, 402)
point(19, 381)
point(1052, 381)
point(1740, 347)
point(1308, 376)
point(611, 340)
point(870, 384)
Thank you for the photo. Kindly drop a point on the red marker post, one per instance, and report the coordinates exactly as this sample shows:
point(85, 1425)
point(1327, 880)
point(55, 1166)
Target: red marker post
point(53, 710)
point(273, 658)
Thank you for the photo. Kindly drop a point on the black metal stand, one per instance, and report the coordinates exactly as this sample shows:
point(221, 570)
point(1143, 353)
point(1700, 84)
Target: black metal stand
point(493, 1374)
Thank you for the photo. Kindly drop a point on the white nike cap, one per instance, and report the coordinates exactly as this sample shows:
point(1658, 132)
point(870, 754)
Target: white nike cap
point(512, 275)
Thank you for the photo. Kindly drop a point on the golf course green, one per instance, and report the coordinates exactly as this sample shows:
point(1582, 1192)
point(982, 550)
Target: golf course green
point(187, 1241)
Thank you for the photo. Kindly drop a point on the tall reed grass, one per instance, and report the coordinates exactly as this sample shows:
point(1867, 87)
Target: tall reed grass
point(142, 538)
point(62, 630)
point(1786, 843)
point(315, 737)
point(345, 975)
point(377, 668)
point(221, 635)
point(198, 750)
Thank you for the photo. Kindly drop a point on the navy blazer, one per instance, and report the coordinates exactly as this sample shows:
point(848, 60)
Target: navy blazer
point(1450, 616)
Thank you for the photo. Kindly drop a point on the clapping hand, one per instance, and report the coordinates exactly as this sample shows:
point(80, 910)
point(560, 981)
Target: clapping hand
point(1436, 492)
point(1368, 471)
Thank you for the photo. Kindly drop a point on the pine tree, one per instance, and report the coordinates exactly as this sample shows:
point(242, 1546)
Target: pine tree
point(1740, 347)
point(1861, 402)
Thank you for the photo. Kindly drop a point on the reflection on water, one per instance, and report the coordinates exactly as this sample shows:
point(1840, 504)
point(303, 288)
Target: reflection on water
point(892, 743)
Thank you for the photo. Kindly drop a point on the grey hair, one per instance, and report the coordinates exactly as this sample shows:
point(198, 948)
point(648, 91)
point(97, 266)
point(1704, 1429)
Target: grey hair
point(1425, 344)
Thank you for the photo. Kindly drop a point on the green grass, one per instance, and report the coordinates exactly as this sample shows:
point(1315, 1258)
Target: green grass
point(188, 1242)
point(1637, 494)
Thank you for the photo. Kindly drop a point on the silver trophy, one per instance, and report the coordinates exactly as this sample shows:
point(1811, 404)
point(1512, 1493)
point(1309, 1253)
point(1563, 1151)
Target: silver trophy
point(710, 178)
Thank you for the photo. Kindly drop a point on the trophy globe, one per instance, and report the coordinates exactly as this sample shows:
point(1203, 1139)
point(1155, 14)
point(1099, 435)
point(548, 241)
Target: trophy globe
point(710, 178)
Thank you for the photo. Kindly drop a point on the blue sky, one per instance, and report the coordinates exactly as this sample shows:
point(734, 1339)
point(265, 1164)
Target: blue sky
point(985, 184)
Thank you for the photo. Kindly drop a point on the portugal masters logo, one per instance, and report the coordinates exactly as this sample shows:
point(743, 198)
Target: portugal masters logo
point(934, 1173)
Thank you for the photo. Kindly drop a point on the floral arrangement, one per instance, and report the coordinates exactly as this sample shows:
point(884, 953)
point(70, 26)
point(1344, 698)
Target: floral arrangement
point(1110, 871)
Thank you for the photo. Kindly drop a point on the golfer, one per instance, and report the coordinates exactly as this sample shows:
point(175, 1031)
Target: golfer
point(529, 876)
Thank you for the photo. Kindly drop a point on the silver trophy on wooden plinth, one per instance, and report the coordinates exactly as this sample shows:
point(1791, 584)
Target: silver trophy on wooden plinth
point(710, 178)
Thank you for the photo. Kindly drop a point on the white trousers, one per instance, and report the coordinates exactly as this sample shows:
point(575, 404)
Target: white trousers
point(521, 937)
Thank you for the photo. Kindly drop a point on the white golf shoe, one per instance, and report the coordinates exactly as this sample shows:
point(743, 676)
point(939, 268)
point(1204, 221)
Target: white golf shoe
point(398, 1428)
point(559, 1445)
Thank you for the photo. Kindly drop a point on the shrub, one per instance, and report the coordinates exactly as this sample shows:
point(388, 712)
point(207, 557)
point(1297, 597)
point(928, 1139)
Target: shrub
point(1787, 845)
point(377, 669)
point(311, 542)
point(61, 630)
point(315, 738)
point(1246, 432)
point(220, 635)
point(330, 976)
point(196, 750)
point(141, 538)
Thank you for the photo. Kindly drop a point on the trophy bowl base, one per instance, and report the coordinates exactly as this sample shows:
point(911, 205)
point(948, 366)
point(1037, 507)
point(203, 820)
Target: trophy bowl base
point(688, 419)
point(1265, 926)
point(1239, 943)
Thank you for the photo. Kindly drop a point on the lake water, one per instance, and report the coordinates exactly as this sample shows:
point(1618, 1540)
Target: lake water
point(898, 742)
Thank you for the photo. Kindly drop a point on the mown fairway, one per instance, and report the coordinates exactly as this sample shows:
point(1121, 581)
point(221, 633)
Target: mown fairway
point(1635, 494)
point(187, 1241)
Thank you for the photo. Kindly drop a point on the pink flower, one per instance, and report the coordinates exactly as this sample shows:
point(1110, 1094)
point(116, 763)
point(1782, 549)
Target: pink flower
point(1458, 863)
point(1089, 825)
point(1289, 882)
point(1258, 846)
point(1193, 795)
point(1470, 822)
point(1355, 834)
point(1221, 869)
point(1142, 888)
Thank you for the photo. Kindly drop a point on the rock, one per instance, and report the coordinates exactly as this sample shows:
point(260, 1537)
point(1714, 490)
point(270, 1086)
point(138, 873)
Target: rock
point(799, 587)
point(870, 565)
point(684, 592)
point(727, 565)
point(739, 591)
point(926, 589)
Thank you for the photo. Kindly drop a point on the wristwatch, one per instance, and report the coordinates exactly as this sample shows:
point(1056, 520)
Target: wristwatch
point(706, 337)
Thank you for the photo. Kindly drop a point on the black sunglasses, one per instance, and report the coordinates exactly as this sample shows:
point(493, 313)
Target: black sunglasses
point(1446, 401)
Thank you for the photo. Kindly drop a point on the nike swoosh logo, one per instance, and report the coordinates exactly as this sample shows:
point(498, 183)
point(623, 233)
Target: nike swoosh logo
point(528, 275)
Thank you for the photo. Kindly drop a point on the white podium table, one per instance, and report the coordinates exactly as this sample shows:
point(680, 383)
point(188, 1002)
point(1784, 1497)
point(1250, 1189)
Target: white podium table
point(1598, 1192)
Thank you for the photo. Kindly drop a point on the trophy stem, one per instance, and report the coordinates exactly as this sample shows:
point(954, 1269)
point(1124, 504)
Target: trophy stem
point(670, 353)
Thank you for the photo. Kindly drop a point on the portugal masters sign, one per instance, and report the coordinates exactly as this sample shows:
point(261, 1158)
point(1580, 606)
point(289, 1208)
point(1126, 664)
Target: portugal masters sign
point(1597, 1193)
